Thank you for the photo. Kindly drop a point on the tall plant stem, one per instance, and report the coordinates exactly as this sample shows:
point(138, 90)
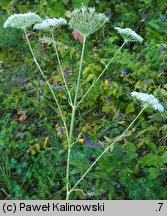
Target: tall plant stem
point(50, 87)
point(107, 149)
point(102, 72)
point(73, 119)
point(77, 89)
point(59, 62)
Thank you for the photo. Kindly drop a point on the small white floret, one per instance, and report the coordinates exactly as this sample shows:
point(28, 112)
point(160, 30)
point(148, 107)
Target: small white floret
point(50, 24)
point(22, 21)
point(129, 34)
point(148, 100)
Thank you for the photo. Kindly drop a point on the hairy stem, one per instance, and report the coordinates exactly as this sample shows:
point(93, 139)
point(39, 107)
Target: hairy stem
point(102, 72)
point(59, 62)
point(73, 119)
point(107, 149)
point(50, 87)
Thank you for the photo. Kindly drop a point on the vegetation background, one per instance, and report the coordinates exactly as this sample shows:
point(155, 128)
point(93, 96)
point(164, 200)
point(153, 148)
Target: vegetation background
point(32, 145)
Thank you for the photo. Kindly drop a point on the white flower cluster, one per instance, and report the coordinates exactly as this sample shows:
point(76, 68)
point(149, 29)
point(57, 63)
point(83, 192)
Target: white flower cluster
point(22, 21)
point(50, 24)
point(148, 100)
point(85, 20)
point(129, 34)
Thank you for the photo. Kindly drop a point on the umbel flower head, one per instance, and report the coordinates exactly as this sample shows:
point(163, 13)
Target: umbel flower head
point(22, 21)
point(148, 100)
point(85, 20)
point(50, 24)
point(129, 34)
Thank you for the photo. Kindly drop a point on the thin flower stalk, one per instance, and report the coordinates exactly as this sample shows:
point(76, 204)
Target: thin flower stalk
point(73, 188)
point(74, 107)
point(102, 73)
point(77, 89)
point(61, 69)
point(50, 87)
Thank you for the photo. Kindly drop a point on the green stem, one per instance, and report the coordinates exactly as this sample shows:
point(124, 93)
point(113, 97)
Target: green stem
point(102, 72)
point(77, 89)
point(58, 59)
point(106, 150)
point(50, 87)
point(73, 120)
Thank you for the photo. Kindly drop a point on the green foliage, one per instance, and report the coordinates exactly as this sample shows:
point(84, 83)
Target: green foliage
point(32, 147)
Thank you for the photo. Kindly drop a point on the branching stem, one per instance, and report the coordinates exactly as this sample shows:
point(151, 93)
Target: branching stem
point(50, 87)
point(73, 120)
point(102, 73)
point(61, 69)
point(107, 149)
